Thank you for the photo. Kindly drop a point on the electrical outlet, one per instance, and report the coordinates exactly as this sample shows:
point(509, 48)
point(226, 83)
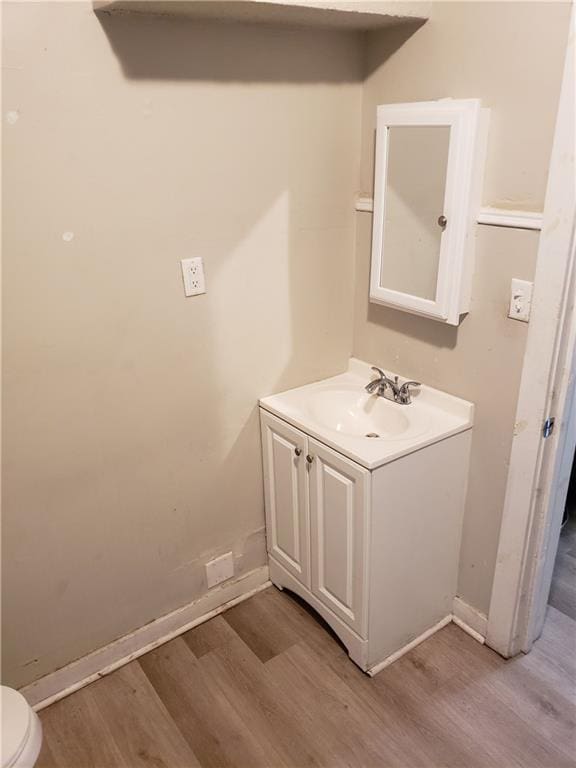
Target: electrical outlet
point(219, 569)
point(193, 276)
point(520, 300)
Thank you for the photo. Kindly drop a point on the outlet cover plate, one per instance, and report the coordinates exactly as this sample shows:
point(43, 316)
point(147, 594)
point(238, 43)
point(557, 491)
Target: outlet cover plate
point(193, 276)
point(520, 300)
point(220, 569)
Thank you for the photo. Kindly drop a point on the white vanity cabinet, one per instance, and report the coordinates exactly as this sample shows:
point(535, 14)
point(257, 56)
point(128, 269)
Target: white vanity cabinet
point(374, 551)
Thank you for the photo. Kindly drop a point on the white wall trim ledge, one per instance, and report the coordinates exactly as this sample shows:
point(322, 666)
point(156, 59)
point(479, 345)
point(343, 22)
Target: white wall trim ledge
point(364, 204)
point(56, 685)
point(469, 619)
point(502, 217)
point(495, 217)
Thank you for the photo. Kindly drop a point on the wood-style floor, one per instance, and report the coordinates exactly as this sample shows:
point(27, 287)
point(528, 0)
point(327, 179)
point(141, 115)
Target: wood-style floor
point(563, 590)
point(266, 685)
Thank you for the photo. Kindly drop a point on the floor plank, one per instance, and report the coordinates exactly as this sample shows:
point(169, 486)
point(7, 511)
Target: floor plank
point(552, 657)
point(208, 636)
point(77, 734)
point(46, 759)
point(116, 721)
point(244, 680)
point(266, 686)
point(464, 693)
point(546, 710)
point(205, 717)
point(349, 730)
point(257, 624)
point(563, 589)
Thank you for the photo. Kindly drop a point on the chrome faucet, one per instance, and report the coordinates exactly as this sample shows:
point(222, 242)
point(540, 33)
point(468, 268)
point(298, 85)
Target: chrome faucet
point(399, 393)
point(381, 384)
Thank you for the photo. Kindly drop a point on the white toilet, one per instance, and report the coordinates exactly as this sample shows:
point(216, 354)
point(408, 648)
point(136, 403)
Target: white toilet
point(21, 736)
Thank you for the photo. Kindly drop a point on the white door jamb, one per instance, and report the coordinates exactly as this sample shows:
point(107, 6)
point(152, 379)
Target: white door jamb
point(527, 507)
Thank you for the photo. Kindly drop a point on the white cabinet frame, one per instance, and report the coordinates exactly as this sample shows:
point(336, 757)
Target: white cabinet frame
point(373, 552)
point(348, 557)
point(285, 474)
point(468, 124)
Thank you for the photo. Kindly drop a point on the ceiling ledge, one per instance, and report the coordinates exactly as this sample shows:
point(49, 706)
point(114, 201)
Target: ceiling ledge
point(352, 15)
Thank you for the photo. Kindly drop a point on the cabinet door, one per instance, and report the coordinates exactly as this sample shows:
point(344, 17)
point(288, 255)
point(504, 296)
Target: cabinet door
point(339, 494)
point(286, 495)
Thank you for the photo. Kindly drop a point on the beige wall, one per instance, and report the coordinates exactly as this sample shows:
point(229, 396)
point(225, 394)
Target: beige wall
point(131, 448)
point(510, 55)
point(131, 451)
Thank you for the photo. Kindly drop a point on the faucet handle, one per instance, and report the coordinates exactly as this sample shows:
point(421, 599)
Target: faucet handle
point(379, 371)
point(379, 384)
point(404, 391)
point(408, 384)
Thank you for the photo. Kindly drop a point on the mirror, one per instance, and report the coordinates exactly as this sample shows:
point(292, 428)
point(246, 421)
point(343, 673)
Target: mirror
point(427, 186)
point(415, 188)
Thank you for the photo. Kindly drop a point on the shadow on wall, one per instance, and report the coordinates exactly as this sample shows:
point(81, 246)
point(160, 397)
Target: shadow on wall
point(248, 52)
point(382, 44)
point(180, 49)
point(431, 332)
point(317, 267)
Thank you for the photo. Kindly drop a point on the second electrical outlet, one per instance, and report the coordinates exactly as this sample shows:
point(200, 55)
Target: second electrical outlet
point(193, 275)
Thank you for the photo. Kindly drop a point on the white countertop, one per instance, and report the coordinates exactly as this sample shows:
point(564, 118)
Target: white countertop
point(332, 409)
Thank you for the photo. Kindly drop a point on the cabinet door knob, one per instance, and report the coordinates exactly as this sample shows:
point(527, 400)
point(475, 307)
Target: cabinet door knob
point(297, 451)
point(309, 459)
point(442, 221)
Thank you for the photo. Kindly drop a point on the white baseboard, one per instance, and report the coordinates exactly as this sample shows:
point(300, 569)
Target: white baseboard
point(408, 647)
point(101, 662)
point(50, 688)
point(469, 619)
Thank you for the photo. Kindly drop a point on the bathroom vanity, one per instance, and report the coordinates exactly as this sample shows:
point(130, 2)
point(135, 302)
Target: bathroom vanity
point(364, 504)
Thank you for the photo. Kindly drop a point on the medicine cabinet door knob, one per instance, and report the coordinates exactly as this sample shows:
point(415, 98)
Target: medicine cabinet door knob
point(442, 221)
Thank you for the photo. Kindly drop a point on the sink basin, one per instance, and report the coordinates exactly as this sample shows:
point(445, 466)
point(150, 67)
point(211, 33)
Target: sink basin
point(355, 413)
point(369, 429)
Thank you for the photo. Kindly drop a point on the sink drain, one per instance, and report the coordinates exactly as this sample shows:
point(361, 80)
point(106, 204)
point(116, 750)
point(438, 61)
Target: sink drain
point(372, 434)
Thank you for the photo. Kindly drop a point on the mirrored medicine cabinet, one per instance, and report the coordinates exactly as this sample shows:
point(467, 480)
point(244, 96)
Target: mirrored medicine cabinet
point(428, 175)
